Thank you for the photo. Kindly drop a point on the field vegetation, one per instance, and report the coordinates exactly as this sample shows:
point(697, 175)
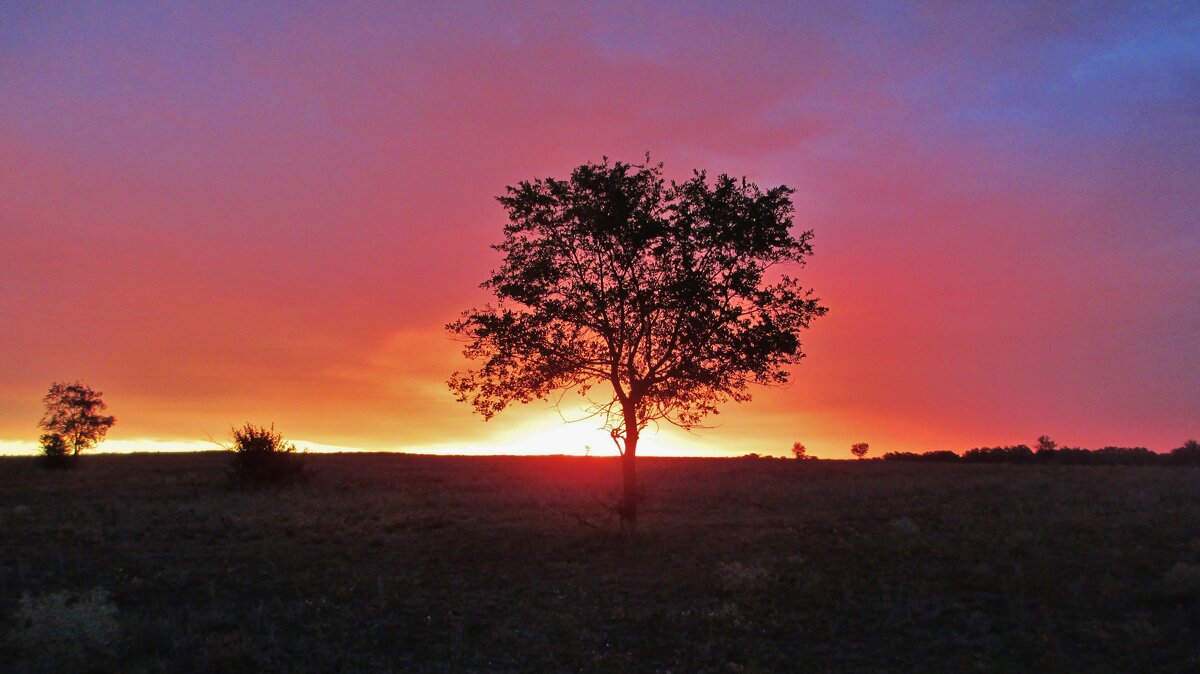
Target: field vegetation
point(157, 563)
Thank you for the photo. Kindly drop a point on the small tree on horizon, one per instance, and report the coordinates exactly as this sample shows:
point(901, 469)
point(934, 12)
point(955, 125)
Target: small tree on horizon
point(859, 449)
point(655, 301)
point(800, 451)
point(1045, 445)
point(73, 422)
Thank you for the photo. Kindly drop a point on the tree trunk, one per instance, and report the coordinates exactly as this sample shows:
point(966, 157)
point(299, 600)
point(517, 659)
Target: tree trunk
point(629, 501)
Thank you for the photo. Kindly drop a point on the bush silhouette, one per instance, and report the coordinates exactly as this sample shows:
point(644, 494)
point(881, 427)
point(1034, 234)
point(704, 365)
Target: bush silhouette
point(1187, 455)
point(1015, 454)
point(55, 453)
point(937, 456)
point(259, 456)
point(1066, 456)
point(1124, 456)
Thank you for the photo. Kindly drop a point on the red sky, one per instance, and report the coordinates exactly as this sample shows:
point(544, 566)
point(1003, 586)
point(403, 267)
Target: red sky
point(219, 215)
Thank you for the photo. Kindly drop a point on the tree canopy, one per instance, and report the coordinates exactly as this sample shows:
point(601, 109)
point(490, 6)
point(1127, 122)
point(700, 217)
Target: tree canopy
point(656, 300)
point(74, 418)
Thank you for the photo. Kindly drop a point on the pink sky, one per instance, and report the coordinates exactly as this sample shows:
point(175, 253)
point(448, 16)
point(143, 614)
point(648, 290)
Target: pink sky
point(222, 215)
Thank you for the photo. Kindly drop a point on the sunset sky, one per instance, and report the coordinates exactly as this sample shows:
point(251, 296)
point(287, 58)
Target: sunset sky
point(226, 213)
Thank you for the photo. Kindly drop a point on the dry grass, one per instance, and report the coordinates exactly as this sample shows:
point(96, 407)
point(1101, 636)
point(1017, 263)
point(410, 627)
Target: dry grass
point(407, 563)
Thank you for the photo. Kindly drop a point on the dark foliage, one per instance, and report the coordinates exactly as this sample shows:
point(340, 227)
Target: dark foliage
point(74, 415)
point(1052, 455)
point(1187, 455)
point(799, 451)
point(939, 456)
point(658, 301)
point(55, 454)
point(1014, 454)
point(1124, 456)
point(1064, 456)
point(259, 456)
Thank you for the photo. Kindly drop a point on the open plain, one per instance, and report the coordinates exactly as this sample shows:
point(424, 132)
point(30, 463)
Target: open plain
point(443, 564)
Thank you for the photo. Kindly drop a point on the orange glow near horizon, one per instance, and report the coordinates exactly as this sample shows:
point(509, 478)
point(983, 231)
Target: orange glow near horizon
point(551, 438)
point(268, 214)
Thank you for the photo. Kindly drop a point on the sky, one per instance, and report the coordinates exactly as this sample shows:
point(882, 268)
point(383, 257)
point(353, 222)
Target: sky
point(267, 212)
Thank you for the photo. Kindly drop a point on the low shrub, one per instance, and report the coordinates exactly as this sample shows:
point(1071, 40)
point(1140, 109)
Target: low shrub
point(55, 454)
point(259, 456)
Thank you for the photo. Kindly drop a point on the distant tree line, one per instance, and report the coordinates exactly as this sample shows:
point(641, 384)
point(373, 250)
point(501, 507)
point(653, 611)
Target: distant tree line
point(1047, 452)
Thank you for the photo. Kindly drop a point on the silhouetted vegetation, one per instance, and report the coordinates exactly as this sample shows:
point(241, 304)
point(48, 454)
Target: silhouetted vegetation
point(859, 449)
point(1124, 456)
point(1187, 455)
point(54, 452)
point(799, 451)
point(617, 280)
point(259, 456)
point(1049, 453)
point(1014, 454)
point(939, 456)
point(73, 422)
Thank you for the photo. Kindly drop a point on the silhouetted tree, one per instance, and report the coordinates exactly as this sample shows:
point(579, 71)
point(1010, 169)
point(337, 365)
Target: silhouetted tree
point(259, 455)
point(1186, 455)
point(859, 449)
point(669, 297)
point(800, 451)
point(73, 422)
point(1045, 450)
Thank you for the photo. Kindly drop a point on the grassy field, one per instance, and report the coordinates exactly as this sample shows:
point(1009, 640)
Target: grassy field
point(413, 563)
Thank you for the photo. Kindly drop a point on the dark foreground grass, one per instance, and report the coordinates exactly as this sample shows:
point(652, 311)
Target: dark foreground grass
point(408, 563)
